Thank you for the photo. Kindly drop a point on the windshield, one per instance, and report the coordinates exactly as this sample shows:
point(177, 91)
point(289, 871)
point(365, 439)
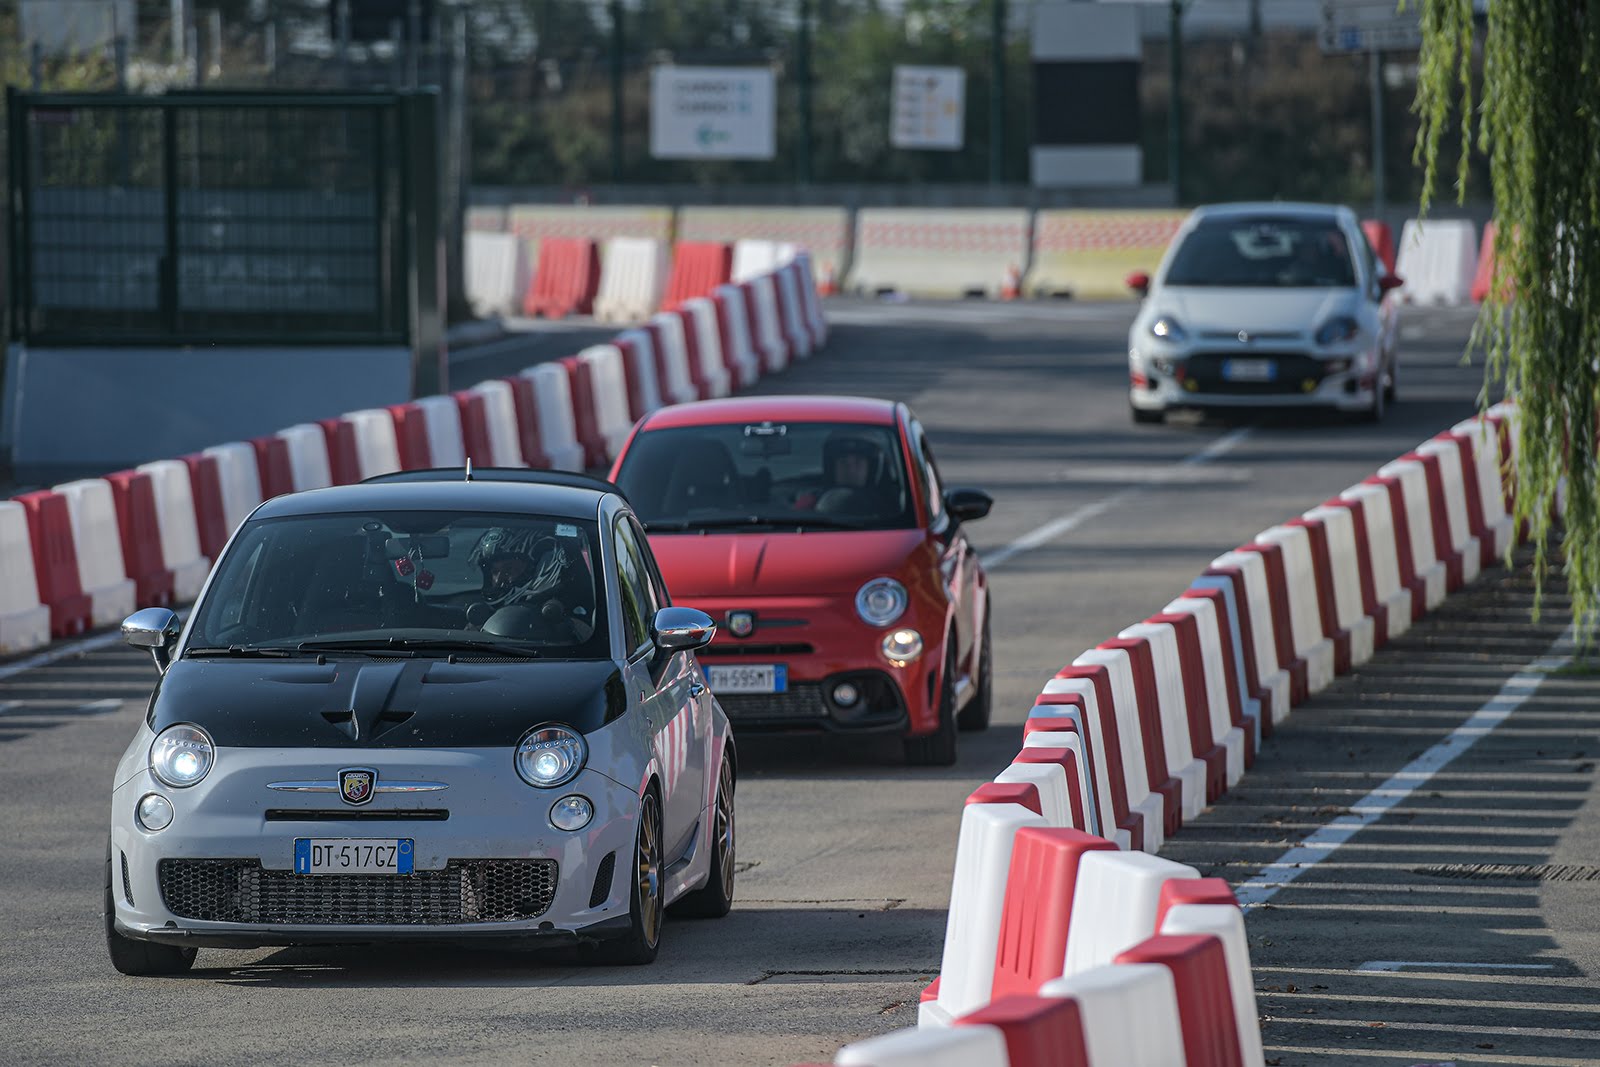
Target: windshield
point(1265, 253)
point(797, 475)
point(425, 581)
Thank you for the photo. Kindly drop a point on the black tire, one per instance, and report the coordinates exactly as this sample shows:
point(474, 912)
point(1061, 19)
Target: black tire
point(938, 749)
point(975, 716)
point(142, 959)
point(1374, 413)
point(645, 913)
point(715, 899)
point(1147, 418)
point(1390, 389)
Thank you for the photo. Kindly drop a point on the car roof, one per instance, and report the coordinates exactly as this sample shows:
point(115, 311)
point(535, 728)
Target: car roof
point(480, 495)
point(1282, 209)
point(858, 409)
point(525, 475)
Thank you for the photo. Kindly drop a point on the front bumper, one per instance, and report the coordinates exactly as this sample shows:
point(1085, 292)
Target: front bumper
point(1333, 380)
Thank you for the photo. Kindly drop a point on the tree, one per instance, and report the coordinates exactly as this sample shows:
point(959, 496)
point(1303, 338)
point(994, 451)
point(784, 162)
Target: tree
point(1538, 119)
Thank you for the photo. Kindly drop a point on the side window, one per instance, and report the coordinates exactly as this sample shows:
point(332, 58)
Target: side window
point(660, 598)
point(633, 589)
point(930, 474)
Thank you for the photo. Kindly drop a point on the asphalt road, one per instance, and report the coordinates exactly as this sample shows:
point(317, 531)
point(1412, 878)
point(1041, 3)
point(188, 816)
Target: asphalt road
point(847, 854)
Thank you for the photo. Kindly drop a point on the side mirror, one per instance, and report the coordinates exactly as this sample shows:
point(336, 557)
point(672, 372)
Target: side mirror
point(155, 629)
point(1390, 282)
point(1139, 282)
point(967, 505)
point(683, 629)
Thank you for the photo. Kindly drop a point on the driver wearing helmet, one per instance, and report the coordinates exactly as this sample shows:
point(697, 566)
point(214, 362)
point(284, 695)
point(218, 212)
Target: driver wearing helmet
point(528, 579)
point(854, 468)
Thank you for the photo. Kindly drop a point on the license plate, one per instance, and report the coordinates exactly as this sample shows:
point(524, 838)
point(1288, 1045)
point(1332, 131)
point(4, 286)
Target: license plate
point(749, 678)
point(1249, 370)
point(350, 855)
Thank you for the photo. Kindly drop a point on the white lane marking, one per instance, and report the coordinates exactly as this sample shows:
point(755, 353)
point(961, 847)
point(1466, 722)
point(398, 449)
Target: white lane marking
point(1372, 807)
point(1043, 535)
point(25, 707)
point(55, 653)
point(1395, 965)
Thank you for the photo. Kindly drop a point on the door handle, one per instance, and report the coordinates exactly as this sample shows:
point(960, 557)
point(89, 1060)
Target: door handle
point(697, 689)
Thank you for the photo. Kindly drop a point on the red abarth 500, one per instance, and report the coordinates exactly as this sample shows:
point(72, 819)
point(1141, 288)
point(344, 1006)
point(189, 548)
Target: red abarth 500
point(818, 532)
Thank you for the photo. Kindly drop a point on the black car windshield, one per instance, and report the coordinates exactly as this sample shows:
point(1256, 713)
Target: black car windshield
point(1264, 253)
point(769, 475)
point(423, 582)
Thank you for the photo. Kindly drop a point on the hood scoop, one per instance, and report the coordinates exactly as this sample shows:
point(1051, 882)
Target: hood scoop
point(350, 726)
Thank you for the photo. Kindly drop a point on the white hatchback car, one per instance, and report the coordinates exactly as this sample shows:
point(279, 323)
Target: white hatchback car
point(1265, 305)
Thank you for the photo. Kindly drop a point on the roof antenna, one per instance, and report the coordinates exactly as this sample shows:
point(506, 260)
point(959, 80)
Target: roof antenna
point(469, 468)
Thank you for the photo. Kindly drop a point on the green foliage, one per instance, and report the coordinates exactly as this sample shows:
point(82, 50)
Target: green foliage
point(1539, 122)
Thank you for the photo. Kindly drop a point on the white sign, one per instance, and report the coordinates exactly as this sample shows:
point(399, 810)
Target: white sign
point(72, 27)
point(1369, 26)
point(930, 107)
point(712, 113)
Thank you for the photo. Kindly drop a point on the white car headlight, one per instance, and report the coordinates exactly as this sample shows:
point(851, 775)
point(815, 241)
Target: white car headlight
point(902, 646)
point(181, 755)
point(154, 812)
point(1168, 329)
point(550, 756)
point(881, 601)
point(571, 813)
point(1338, 329)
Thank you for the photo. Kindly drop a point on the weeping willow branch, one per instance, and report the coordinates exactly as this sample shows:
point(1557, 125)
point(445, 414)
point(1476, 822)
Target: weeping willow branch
point(1539, 123)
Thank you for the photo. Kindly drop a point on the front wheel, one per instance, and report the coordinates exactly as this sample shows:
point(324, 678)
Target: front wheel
point(715, 899)
point(938, 749)
point(643, 939)
point(141, 959)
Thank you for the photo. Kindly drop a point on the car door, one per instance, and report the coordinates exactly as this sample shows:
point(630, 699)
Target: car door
point(958, 570)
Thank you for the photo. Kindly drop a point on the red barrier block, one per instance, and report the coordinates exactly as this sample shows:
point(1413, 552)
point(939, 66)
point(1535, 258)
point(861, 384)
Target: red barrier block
point(1068, 762)
point(474, 412)
point(1438, 511)
point(1483, 279)
point(527, 405)
point(1247, 624)
point(1175, 891)
point(1282, 629)
point(1381, 237)
point(1155, 749)
point(582, 385)
point(411, 437)
point(697, 268)
point(1037, 911)
point(1197, 701)
point(727, 341)
point(272, 461)
point(139, 529)
point(1038, 1031)
point(1370, 605)
point(1219, 604)
point(566, 279)
point(1024, 793)
point(1327, 606)
point(1477, 522)
point(344, 458)
point(1199, 967)
point(691, 350)
point(55, 562)
point(930, 993)
point(1402, 547)
point(1100, 678)
point(211, 518)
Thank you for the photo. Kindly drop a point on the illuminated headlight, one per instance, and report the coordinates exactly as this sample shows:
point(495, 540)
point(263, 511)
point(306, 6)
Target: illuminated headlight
point(902, 646)
point(1168, 329)
point(571, 813)
point(155, 812)
point(550, 756)
point(181, 755)
point(1338, 329)
point(881, 601)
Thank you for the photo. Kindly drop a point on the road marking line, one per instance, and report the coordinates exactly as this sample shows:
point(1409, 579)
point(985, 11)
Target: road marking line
point(1043, 535)
point(1395, 965)
point(1369, 809)
point(60, 652)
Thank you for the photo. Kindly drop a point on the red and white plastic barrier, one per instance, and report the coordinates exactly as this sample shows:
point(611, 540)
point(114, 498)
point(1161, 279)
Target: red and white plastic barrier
point(24, 621)
point(102, 574)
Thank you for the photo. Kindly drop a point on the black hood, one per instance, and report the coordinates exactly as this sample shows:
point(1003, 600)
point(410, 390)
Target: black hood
point(384, 703)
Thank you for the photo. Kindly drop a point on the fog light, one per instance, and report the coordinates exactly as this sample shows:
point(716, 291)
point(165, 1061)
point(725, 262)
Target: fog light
point(155, 812)
point(902, 646)
point(571, 813)
point(1162, 364)
point(845, 695)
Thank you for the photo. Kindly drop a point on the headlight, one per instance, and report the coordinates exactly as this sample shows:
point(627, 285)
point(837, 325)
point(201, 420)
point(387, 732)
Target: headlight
point(571, 813)
point(902, 646)
point(1167, 329)
point(181, 755)
point(550, 756)
point(881, 601)
point(1335, 330)
point(154, 812)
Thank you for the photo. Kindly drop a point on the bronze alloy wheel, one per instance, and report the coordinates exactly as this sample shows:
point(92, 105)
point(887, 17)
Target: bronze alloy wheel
point(724, 827)
point(715, 899)
point(649, 866)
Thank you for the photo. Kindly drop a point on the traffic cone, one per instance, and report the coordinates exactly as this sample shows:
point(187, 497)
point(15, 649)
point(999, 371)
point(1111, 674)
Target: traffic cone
point(829, 284)
point(1013, 286)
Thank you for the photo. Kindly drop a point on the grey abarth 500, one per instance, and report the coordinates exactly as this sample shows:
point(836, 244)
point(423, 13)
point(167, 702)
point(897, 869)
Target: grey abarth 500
point(426, 708)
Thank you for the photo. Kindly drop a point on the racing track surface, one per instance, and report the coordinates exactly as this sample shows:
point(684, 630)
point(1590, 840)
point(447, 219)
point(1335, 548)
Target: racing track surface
point(846, 854)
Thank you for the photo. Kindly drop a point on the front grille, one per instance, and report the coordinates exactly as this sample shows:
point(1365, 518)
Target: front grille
point(1292, 371)
point(802, 701)
point(796, 649)
point(127, 884)
point(356, 815)
point(466, 891)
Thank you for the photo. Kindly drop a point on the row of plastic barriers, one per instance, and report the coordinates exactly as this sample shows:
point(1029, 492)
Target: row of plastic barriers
point(86, 553)
point(1069, 944)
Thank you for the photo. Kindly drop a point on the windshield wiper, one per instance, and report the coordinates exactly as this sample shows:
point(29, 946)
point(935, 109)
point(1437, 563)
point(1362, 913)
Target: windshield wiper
point(411, 645)
point(779, 522)
point(242, 651)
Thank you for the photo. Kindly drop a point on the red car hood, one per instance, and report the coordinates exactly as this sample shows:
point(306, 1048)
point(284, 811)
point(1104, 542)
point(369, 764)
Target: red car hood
point(781, 564)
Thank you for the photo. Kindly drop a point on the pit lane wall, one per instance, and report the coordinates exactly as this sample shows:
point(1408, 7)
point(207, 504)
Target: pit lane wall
point(1069, 943)
point(84, 554)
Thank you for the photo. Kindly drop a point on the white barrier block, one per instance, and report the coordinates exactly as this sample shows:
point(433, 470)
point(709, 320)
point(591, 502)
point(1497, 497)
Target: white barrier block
point(640, 357)
point(1419, 522)
point(1455, 506)
point(180, 532)
point(1129, 1012)
point(1250, 706)
point(702, 312)
point(752, 257)
point(766, 329)
point(1258, 601)
point(811, 298)
point(796, 328)
point(493, 273)
point(1340, 530)
point(977, 1045)
point(610, 395)
point(1305, 608)
point(1114, 904)
point(1226, 923)
point(977, 896)
point(1051, 782)
point(1491, 492)
point(1073, 743)
point(1130, 738)
point(240, 478)
point(1102, 812)
point(1223, 732)
point(558, 428)
point(1438, 259)
point(500, 419)
point(97, 539)
point(441, 417)
point(24, 622)
point(1383, 551)
point(1100, 779)
point(730, 298)
point(679, 388)
point(1181, 761)
point(376, 446)
point(633, 278)
point(308, 456)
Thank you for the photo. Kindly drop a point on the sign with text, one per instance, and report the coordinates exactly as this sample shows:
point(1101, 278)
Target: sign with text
point(1369, 26)
point(930, 107)
point(712, 113)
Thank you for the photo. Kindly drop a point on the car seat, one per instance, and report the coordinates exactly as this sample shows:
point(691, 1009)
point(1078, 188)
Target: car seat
point(703, 478)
